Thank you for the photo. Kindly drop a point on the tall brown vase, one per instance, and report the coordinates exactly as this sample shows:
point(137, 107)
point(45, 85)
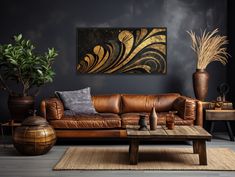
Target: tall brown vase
point(200, 84)
point(153, 119)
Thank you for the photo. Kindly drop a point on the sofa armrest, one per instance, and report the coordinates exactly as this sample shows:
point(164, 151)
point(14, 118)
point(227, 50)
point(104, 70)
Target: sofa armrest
point(199, 116)
point(188, 109)
point(52, 109)
point(43, 109)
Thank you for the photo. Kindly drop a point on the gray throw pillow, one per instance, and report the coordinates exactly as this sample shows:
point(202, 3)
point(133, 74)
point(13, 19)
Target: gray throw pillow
point(78, 101)
point(70, 113)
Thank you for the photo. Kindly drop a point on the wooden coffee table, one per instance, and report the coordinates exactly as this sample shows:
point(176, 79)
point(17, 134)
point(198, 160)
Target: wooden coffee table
point(197, 134)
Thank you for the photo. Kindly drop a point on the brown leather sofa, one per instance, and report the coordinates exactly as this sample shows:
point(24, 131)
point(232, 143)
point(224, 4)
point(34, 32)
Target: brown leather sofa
point(116, 111)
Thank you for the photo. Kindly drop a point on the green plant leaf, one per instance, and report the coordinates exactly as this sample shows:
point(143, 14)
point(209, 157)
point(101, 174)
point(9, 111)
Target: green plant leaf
point(19, 62)
point(18, 38)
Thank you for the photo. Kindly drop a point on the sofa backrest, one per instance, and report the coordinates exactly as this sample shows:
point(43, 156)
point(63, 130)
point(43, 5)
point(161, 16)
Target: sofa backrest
point(144, 103)
point(107, 103)
point(126, 103)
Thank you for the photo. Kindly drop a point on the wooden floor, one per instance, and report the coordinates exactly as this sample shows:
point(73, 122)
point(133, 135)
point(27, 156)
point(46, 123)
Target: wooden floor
point(13, 164)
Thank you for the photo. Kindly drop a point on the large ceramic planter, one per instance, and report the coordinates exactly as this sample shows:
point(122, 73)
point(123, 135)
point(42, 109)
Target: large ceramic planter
point(20, 107)
point(200, 84)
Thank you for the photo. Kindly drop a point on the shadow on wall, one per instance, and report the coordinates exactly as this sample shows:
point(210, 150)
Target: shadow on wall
point(173, 85)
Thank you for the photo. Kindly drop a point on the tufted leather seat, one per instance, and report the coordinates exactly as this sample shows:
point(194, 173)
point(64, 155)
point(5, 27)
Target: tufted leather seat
point(97, 121)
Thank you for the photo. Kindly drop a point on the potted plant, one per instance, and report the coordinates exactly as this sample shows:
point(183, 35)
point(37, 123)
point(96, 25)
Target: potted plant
point(209, 47)
point(19, 62)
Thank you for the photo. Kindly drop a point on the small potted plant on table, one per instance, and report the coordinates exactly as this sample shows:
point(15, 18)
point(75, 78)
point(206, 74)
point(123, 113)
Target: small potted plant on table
point(19, 62)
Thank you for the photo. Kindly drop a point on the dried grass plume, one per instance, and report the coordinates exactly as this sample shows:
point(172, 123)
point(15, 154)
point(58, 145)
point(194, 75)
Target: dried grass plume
point(209, 47)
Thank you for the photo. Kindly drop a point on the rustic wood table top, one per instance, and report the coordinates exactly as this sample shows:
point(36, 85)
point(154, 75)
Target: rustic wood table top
point(163, 133)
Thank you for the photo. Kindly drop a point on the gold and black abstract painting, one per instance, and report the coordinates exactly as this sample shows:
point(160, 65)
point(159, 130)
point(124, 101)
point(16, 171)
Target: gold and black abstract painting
point(122, 50)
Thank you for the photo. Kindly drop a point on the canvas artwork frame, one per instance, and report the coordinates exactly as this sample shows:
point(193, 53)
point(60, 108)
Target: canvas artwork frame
point(122, 50)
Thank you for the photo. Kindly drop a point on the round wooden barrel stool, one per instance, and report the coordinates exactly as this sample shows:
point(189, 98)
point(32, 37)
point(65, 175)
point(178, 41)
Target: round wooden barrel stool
point(34, 137)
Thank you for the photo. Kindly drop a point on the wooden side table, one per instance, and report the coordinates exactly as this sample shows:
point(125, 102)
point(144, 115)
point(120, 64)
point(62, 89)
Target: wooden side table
point(9, 124)
point(221, 115)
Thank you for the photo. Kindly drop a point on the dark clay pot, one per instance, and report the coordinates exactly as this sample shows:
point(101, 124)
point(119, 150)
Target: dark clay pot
point(200, 84)
point(20, 107)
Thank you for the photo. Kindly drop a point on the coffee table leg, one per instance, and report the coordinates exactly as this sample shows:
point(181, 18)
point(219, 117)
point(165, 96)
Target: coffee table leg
point(202, 152)
point(133, 151)
point(195, 147)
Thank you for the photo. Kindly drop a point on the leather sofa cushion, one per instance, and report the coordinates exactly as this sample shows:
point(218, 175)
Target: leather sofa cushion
point(54, 109)
point(144, 103)
point(98, 121)
point(186, 107)
point(133, 119)
point(178, 119)
point(107, 103)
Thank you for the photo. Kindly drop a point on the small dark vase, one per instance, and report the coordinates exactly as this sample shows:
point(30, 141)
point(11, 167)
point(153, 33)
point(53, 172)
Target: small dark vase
point(153, 119)
point(20, 107)
point(200, 84)
point(142, 123)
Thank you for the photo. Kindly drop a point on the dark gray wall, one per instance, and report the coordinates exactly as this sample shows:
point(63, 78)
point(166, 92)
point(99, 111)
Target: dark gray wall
point(231, 64)
point(231, 35)
point(53, 24)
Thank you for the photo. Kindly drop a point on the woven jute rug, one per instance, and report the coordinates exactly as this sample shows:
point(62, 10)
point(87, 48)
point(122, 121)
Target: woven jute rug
point(150, 158)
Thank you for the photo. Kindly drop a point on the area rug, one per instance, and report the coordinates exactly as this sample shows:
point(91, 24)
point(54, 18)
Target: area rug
point(150, 158)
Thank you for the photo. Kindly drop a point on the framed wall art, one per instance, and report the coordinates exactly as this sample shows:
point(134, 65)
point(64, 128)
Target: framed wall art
point(122, 50)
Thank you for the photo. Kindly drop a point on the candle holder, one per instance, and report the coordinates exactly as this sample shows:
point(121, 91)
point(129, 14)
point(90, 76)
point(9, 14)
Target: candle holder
point(170, 120)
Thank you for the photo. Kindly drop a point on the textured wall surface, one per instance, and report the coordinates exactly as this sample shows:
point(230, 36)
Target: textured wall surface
point(231, 35)
point(53, 24)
